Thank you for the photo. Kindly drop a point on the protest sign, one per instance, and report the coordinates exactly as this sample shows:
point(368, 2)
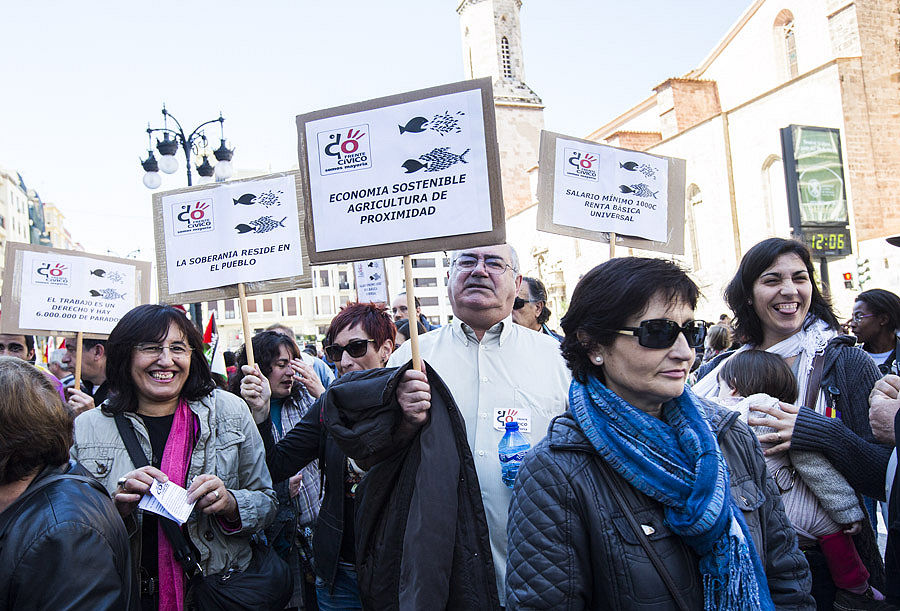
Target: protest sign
point(212, 237)
point(593, 191)
point(407, 173)
point(371, 283)
point(50, 291)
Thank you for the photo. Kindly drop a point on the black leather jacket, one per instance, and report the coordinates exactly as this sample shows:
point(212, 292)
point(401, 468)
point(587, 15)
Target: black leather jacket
point(65, 549)
point(570, 546)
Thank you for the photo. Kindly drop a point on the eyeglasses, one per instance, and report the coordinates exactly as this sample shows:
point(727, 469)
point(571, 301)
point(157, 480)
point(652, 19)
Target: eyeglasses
point(662, 333)
point(492, 265)
point(176, 351)
point(355, 348)
point(12, 348)
point(519, 303)
point(858, 316)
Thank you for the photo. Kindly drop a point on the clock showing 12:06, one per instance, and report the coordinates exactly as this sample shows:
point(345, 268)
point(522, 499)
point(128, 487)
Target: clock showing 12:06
point(827, 241)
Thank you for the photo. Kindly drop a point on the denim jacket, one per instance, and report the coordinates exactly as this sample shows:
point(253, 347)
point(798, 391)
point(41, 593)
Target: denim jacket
point(228, 445)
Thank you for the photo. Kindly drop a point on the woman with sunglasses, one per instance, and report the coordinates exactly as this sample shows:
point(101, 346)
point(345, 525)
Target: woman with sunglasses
point(192, 434)
point(875, 323)
point(642, 495)
point(778, 308)
point(360, 337)
point(530, 307)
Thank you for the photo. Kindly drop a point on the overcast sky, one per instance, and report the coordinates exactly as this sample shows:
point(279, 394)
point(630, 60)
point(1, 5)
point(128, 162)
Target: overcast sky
point(82, 79)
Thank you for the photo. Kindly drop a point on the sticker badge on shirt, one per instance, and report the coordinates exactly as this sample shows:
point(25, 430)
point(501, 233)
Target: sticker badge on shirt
point(522, 415)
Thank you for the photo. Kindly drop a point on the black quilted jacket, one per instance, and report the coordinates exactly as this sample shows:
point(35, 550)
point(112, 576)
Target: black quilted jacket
point(570, 546)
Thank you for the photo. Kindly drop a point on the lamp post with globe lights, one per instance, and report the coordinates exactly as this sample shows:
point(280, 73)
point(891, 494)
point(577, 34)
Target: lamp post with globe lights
point(196, 143)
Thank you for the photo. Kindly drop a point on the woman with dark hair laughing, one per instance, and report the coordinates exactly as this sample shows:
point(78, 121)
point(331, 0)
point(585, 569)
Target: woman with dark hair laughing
point(191, 433)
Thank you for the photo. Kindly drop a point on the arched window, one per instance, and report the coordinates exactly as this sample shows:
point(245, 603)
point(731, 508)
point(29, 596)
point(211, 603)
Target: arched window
point(785, 44)
point(694, 200)
point(504, 57)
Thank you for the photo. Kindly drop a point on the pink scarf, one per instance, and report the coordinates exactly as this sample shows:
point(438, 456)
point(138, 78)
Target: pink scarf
point(175, 460)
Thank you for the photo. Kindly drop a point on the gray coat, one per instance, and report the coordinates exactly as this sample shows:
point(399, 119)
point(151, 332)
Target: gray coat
point(228, 446)
point(570, 546)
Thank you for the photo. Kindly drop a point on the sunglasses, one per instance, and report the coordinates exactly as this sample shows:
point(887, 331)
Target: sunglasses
point(519, 303)
point(662, 333)
point(355, 348)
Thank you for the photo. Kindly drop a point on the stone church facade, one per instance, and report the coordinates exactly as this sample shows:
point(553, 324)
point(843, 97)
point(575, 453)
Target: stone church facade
point(826, 63)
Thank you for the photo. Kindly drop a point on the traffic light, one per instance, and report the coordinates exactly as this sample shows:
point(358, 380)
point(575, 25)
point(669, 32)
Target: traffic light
point(863, 272)
point(848, 280)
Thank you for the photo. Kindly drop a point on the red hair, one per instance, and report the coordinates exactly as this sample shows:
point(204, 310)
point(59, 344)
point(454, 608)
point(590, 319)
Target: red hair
point(373, 318)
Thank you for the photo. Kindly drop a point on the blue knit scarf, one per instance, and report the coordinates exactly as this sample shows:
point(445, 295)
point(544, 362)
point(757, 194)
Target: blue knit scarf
point(677, 462)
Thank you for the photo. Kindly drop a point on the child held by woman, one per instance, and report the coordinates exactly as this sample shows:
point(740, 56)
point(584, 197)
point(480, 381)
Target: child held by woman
point(821, 505)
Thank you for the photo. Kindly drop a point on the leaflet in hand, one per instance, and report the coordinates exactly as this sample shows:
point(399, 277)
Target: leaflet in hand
point(169, 500)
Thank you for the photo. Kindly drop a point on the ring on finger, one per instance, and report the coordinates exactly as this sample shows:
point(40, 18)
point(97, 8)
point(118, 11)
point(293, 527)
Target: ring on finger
point(778, 436)
point(216, 492)
point(121, 482)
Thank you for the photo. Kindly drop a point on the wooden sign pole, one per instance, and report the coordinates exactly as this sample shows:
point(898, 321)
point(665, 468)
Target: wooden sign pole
point(248, 339)
point(413, 316)
point(612, 244)
point(79, 347)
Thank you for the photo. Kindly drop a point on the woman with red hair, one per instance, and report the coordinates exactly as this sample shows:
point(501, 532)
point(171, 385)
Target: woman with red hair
point(360, 337)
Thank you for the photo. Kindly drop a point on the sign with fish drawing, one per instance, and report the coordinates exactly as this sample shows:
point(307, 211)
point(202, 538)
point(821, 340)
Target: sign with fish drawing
point(218, 235)
point(53, 291)
point(591, 190)
point(371, 281)
point(403, 174)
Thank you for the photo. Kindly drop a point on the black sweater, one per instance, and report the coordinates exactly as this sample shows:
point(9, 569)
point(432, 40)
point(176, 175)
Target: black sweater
point(848, 444)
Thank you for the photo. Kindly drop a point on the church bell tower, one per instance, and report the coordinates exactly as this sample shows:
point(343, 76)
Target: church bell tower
point(492, 46)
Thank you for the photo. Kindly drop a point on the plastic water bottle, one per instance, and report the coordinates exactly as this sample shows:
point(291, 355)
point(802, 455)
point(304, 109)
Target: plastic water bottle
point(512, 451)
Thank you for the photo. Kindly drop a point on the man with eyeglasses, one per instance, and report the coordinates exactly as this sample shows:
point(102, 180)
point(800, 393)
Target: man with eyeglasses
point(497, 371)
point(93, 374)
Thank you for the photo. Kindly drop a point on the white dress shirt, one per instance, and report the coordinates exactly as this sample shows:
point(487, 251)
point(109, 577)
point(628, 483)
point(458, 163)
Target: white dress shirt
point(512, 372)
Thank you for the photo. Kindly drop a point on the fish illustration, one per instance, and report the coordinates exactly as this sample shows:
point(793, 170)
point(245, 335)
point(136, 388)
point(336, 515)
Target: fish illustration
point(648, 171)
point(269, 198)
point(445, 123)
point(263, 224)
point(641, 190)
point(98, 272)
point(441, 159)
point(631, 166)
point(414, 125)
point(438, 159)
point(115, 277)
point(247, 199)
point(107, 294)
point(412, 165)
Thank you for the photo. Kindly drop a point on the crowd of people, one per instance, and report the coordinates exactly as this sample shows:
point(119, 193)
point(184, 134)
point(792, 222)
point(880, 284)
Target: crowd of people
point(674, 463)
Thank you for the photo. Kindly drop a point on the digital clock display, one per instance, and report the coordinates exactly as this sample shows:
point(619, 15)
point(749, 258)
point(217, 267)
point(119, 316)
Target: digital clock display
point(827, 241)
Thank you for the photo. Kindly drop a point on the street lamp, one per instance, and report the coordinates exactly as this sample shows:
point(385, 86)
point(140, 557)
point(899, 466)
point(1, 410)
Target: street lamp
point(196, 143)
